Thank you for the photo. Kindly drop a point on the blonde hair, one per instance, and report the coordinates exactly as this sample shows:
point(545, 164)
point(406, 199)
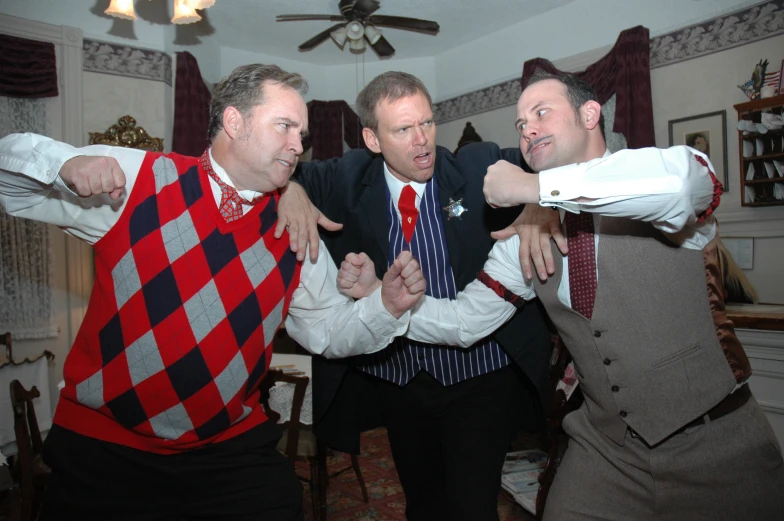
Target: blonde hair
point(735, 281)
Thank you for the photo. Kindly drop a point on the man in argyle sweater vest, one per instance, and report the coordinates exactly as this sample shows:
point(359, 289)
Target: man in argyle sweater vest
point(160, 415)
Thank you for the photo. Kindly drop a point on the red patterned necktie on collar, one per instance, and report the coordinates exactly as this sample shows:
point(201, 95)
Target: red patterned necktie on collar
point(582, 262)
point(231, 202)
point(408, 211)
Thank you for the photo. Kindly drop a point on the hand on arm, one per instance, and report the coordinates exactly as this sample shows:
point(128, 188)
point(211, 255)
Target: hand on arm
point(403, 285)
point(93, 175)
point(509, 185)
point(357, 276)
point(535, 226)
point(302, 218)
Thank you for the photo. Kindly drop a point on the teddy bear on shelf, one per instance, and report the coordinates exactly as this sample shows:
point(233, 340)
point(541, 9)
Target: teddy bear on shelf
point(752, 87)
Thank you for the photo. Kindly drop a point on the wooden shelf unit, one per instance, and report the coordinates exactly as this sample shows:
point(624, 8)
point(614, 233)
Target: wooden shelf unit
point(773, 150)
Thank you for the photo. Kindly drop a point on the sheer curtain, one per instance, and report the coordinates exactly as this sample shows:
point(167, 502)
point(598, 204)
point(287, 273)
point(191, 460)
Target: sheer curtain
point(25, 257)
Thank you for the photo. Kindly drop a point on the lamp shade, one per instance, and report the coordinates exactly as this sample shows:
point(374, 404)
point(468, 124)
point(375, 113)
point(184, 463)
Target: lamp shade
point(357, 45)
point(339, 35)
point(121, 9)
point(355, 30)
point(183, 13)
point(372, 34)
point(200, 4)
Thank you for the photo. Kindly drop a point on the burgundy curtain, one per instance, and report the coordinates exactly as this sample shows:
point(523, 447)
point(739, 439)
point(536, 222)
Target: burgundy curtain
point(332, 123)
point(28, 68)
point(191, 108)
point(626, 72)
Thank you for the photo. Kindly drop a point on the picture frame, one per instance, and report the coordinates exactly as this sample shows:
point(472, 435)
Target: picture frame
point(708, 134)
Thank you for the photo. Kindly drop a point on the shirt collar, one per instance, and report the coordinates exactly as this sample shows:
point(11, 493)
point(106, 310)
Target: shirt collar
point(396, 186)
point(248, 195)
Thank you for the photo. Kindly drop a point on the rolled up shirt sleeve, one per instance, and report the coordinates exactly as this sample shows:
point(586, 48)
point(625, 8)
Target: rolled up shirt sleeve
point(327, 323)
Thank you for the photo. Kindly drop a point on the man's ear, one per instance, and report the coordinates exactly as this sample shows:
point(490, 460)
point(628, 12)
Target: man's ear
point(371, 140)
point(232, 122)
point(591, 113)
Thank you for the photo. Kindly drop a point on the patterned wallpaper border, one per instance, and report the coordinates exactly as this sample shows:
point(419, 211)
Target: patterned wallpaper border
point(122, 60)
point(741, 27)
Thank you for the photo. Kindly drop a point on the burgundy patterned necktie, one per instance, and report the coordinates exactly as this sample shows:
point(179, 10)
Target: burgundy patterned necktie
point(582, 262)
point(231, 202)
point(408, 211)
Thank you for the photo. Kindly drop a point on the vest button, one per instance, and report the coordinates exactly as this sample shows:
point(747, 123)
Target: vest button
point(597, 334)
point(615, 388)
point(623, 414)
point(607, 361)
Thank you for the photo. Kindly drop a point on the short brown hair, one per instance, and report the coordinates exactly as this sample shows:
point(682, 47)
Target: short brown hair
point(389, 86)
point(243, 89)
point(578, 91)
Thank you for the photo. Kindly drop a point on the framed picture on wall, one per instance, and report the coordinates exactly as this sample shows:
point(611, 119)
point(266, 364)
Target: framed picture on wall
point(708, 134)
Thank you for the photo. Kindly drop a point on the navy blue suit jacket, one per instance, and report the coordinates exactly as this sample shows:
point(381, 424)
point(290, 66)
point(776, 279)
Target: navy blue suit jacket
point(352, 190)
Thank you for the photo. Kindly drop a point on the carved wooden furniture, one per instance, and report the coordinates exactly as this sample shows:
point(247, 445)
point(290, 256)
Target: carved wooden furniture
point(125, 133)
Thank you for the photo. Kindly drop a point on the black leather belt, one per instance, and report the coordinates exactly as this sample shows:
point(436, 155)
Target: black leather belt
point(730, 403)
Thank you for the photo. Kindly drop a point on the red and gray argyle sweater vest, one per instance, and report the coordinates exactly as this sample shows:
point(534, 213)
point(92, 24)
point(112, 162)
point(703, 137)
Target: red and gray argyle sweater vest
point(178, 333)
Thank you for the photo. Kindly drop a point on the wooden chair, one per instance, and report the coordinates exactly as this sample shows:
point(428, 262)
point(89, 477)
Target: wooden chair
point(300, 444)
point(556, 438)
point(33, 473)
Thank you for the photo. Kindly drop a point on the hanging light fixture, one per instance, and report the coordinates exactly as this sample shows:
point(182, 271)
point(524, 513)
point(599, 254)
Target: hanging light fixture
point(121, 9)
point(184, 13)
point(200, 4)
point(372, 34)
point(339, 35)
point(184, 10)
point(355, 30)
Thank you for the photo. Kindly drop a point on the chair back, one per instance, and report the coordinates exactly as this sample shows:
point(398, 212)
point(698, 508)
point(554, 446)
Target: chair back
point(293, 426)
point(33, 473)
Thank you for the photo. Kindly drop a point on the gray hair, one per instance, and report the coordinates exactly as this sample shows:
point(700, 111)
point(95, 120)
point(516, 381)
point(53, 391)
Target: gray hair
point(389, 86)
point(243, 89)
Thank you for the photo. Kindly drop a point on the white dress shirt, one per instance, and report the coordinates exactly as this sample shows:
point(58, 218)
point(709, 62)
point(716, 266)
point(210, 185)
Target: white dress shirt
point(320, 318)
point(668, 188)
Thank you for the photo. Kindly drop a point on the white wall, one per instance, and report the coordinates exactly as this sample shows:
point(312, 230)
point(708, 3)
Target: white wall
point(709, 84)
point(107, 98)
point(563, 32)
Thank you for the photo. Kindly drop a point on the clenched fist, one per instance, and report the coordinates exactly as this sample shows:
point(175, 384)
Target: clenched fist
point(403, 285)
point(93, 175)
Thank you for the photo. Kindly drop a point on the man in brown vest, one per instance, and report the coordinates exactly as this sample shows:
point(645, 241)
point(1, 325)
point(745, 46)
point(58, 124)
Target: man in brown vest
point(669, 429)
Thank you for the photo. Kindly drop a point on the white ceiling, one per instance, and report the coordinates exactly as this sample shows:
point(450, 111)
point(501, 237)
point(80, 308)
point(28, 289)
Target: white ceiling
point(251, 25)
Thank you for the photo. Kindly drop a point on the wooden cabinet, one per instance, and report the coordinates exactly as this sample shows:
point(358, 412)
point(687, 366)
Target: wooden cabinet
point(761, 155)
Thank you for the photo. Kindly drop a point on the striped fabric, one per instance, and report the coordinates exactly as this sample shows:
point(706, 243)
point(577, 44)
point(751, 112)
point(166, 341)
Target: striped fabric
point(403, 359)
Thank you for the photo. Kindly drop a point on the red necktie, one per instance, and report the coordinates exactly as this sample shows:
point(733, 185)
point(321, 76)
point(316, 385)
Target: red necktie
point(231, 202)
point(408, 211)
point(582, 262)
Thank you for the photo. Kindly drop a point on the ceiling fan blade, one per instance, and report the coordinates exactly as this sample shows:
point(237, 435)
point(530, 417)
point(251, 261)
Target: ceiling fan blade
point(296, 17)
point(383, 48)
point(403, 22)
point(319, 38)
point(366, 7)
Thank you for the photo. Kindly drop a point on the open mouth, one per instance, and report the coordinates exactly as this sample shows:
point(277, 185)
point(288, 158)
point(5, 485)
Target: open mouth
point(535, 148)
point(422, 159)
point(287, 164)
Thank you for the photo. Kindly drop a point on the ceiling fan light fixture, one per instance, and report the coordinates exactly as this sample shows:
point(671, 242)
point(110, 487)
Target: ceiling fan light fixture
point(184, 13)
point(200, 4)
point(340, 35)
point(357, 45)
point(121, 9)
point(355, 30)
point(372, 34)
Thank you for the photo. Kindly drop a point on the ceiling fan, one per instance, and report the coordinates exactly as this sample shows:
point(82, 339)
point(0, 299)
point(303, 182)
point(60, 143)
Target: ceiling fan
point(357, 24)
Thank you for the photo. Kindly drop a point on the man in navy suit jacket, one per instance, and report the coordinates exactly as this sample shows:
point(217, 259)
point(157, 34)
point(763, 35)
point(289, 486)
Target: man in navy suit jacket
point(449, 412)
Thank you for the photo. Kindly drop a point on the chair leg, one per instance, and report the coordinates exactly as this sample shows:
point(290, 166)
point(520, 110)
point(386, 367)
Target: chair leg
point(358, 472)
point(314, 493)
point(321, 460)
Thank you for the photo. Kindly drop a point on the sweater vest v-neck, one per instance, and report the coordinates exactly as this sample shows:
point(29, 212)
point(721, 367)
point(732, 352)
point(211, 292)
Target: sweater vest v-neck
point(178, 333)
point(404, 358)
